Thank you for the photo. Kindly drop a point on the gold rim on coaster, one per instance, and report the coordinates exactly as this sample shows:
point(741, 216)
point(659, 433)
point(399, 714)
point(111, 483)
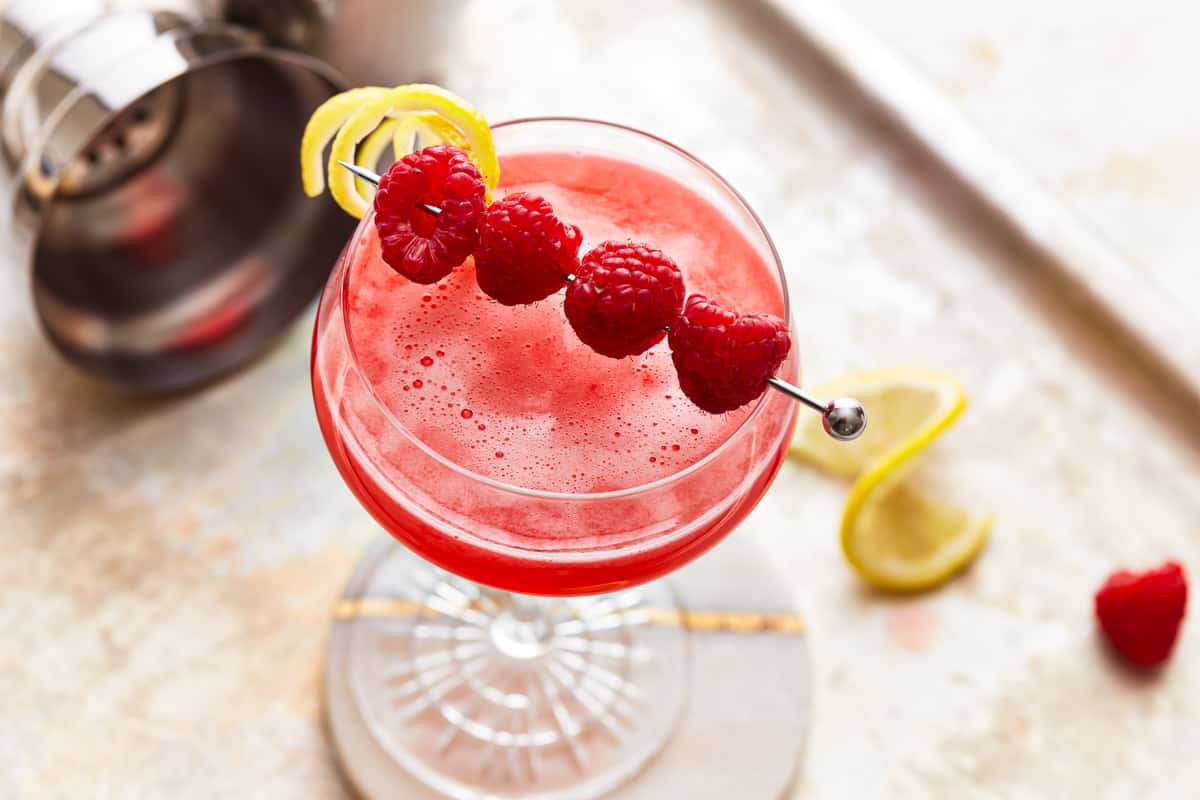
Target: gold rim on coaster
point(700, 621)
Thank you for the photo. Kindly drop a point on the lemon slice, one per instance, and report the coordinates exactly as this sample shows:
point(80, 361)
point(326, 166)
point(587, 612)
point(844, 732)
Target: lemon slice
point(893, 535)
point(470, 130)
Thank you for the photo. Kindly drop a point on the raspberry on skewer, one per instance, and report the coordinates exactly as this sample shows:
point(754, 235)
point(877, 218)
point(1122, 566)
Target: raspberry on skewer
point(525, 252)
point(624, 298)
point(724, 358)
point(422, 246)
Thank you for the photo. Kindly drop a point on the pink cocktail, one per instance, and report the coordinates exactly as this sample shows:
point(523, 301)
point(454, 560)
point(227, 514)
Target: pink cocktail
point(491, 442)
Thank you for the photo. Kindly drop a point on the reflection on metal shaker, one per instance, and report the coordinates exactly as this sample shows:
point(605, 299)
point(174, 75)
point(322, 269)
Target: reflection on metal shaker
point(151, 187)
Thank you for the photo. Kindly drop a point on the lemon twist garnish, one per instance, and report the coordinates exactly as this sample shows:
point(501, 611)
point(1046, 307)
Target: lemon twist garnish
point(371, 150)
point(892, 534)
point(322, 126)
point(361, 123)
point(406, 135)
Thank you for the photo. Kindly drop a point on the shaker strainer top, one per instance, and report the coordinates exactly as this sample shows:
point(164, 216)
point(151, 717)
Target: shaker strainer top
point(135, 137)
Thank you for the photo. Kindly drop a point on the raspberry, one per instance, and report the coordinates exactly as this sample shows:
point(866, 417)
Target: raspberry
point(623, 298)
point(525, 253)
point(724, 358)
point(1141, 613)
point(422, 246)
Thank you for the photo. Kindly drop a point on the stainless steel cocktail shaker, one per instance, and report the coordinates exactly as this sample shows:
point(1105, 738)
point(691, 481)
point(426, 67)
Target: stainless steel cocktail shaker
point(148, 163)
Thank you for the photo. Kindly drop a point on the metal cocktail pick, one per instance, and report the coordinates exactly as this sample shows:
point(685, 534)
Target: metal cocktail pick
point(843, 418)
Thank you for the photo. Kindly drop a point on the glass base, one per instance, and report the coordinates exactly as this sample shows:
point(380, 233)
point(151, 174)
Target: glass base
point(440, 688)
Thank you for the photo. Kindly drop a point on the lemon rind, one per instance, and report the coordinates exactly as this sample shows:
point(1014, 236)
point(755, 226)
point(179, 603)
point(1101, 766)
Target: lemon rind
point(398, 102)
point(891, 467)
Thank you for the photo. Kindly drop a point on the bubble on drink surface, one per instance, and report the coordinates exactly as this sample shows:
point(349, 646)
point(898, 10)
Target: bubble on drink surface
point(426, 361)
point(467, 413)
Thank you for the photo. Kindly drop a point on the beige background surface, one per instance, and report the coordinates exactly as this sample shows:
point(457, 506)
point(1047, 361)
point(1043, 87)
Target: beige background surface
point(169, 566)
point(1096, 97)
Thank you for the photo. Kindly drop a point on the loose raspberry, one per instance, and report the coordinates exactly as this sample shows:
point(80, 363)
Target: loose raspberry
point(623, 298)
point(724, 358)
point(1141, 613)
point(418, 244)
point(525, 252)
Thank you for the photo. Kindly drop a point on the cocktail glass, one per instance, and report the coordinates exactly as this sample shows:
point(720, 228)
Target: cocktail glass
point(519, 642)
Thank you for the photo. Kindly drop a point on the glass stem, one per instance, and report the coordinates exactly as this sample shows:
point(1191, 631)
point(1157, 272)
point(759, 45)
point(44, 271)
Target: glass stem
point(523, 628)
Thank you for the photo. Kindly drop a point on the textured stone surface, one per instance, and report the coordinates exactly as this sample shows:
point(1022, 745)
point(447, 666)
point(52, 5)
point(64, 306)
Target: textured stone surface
point(1097, 97)
point(169, 565)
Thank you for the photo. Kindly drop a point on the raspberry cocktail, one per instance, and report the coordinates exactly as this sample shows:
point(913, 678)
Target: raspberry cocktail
point(511, 381)
point(492, 441)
